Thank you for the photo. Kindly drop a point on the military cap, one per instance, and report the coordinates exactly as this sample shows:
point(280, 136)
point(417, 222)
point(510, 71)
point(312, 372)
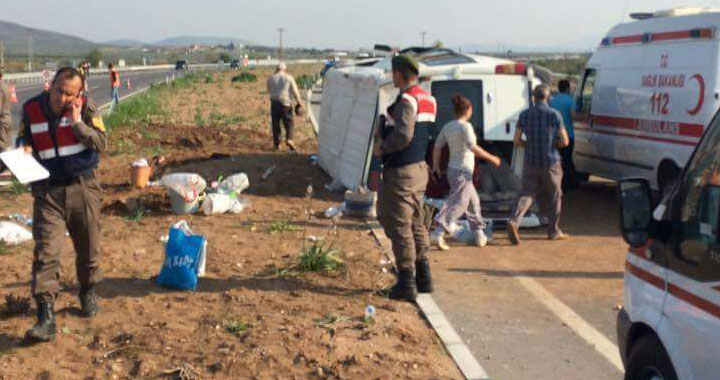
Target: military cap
point(405, 62)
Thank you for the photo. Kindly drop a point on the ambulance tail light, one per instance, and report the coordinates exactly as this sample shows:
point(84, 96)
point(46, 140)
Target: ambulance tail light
point(519, 68)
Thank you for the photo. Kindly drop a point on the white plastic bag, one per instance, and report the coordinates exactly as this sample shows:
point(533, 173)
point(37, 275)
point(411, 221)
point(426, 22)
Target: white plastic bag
point(189, 185)
point(217, 203)
point(235, 184)
point(12, 234)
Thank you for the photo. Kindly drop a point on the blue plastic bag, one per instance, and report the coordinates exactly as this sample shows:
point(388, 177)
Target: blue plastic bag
point(183, 255)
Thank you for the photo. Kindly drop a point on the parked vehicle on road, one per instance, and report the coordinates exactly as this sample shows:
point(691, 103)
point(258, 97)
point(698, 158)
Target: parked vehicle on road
point(181, 64)
point(669, 327)
point(646, 95)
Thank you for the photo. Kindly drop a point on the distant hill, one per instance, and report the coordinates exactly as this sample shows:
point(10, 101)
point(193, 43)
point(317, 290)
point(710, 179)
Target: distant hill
point(126, 43)
point(15, 38)
point(200, 40)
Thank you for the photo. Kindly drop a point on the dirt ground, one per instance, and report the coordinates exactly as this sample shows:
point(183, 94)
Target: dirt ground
point(251, 317)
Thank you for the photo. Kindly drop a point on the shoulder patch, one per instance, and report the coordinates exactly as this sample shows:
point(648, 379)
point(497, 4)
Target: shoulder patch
point(98, 123)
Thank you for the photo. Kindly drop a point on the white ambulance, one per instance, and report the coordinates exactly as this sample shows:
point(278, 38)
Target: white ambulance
point(669, 328)
point(646, 95)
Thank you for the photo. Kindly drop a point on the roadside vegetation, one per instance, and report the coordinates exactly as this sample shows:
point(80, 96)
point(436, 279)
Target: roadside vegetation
point(570, 66)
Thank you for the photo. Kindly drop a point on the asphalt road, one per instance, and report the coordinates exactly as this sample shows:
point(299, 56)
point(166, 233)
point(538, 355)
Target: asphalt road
point(99, 89)
point(542, 310)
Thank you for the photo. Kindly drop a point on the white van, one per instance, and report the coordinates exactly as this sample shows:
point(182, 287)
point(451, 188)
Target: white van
point(646, 94)
point(354, 97)
point(669, 327)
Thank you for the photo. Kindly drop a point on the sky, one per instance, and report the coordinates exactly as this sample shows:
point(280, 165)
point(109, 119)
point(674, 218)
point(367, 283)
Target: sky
point(337, 23)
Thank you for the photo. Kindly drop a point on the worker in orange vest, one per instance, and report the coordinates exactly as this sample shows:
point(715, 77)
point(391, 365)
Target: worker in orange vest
point(115, 84)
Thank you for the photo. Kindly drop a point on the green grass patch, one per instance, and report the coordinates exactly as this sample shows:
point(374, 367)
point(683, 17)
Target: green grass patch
point(234, 326)
point(244, 77)
point(320, 258)
point(283, 226)
point(17, 188)
point(136, 111)
point(306, 81)
point(330, 320)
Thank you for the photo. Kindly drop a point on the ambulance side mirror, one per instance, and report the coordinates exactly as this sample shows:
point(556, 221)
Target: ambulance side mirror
point(634, 197)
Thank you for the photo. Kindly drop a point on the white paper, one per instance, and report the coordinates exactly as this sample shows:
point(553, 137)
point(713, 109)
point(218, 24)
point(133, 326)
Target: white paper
point(24, 166)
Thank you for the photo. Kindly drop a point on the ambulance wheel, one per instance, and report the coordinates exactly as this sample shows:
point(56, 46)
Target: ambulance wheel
point(648, 360)
point(667, 176)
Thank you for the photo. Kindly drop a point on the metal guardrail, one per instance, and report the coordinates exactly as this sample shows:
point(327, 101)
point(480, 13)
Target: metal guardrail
point(37, 77)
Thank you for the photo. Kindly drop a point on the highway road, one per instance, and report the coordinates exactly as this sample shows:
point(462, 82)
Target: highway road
point(542, 310)
point(99, 89)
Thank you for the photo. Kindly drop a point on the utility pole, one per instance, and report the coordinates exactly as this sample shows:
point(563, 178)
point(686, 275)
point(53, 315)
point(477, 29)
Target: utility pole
point(30, 49)
point(2, 55)
point(280, 48)
point(423, 34)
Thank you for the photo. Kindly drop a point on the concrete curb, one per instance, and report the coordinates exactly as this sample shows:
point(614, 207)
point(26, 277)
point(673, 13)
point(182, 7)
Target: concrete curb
point(460, 353)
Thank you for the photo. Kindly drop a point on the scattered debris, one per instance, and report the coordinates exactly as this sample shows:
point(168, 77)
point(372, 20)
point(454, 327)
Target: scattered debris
point(12, 234)
point(184, 372)
point(369, 314)
point(360, 203)
point(217, 203)
point(140, 172)
point(334, 211)
point(185, 257)
point(268, 172)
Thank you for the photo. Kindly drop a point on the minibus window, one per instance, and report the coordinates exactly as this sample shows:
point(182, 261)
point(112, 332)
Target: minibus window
point(584, 100)
point(701, 206)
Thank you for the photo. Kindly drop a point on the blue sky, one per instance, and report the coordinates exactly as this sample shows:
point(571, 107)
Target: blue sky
point(336, 23)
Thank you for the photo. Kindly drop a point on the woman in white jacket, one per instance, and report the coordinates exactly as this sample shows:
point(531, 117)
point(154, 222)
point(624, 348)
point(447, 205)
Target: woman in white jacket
point(460, 137)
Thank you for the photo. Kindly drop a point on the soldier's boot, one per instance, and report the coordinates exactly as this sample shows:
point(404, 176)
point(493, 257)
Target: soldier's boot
point(422, 276)
point(88, 303)
point(45, 328)
point(405, 288)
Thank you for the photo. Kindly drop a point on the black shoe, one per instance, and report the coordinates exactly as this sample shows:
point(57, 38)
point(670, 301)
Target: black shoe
point(45, 328)
point(405, 288)
point(88, 304)
point(422, 277)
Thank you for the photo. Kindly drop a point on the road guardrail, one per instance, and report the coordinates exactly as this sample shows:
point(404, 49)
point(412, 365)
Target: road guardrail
point(42, 76)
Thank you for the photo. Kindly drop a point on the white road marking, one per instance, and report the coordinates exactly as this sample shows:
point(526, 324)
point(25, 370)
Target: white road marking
point(469, 366)
point(588, 333)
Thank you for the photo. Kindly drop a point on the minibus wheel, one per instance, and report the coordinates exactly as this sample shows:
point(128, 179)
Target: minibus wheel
point(648, 360)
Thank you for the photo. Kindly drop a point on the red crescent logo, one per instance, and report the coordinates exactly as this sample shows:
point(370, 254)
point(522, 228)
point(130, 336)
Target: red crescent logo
point(701, 99)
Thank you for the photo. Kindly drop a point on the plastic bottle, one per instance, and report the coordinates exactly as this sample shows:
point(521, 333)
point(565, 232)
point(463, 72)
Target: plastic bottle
point(370, 312)
point(489, 229)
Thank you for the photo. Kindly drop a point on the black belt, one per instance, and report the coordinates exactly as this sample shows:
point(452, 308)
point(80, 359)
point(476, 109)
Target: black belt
point(63, 182)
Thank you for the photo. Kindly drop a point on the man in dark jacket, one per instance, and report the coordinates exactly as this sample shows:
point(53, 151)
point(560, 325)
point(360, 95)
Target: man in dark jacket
point(61, 129)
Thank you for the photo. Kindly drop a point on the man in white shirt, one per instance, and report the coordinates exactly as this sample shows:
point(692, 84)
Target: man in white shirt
point(283, 90)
